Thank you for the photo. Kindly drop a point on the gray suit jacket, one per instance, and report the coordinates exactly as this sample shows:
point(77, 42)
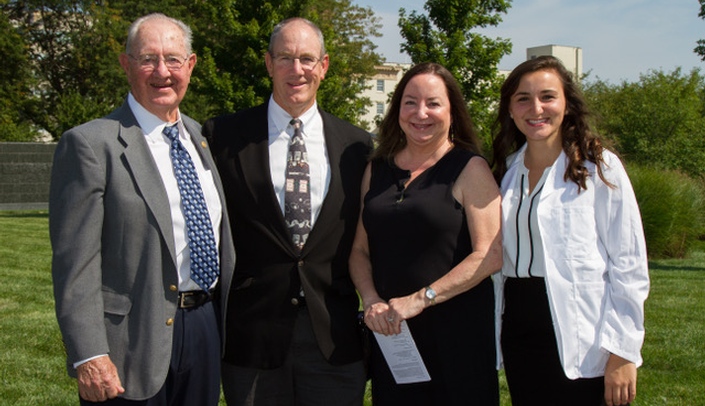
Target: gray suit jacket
point(114, 265)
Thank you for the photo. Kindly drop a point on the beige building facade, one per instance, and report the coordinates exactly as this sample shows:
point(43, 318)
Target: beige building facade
point(379, 90)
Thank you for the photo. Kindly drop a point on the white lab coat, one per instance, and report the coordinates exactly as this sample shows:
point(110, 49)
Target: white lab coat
point(596, 264)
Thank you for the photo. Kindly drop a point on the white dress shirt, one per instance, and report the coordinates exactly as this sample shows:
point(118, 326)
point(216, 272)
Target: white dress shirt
point(280, 132)
point(160, 146)
point(521, 238)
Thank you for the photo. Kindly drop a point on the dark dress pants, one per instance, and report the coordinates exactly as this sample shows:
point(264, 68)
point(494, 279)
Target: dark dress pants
point(305, 379)
point(194, 371)
point(532, 365)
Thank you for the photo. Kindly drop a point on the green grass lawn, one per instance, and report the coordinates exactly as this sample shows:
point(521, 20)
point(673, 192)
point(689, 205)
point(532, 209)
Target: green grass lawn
point(32, 360)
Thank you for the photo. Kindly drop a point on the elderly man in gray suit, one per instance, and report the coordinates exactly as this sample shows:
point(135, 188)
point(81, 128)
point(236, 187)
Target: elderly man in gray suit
point(141, 239)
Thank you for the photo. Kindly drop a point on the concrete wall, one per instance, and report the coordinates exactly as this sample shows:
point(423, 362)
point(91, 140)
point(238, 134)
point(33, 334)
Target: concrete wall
point(25, 169)
point(571, 57)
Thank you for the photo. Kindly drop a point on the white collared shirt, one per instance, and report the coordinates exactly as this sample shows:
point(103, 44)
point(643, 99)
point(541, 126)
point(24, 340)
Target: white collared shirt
point(523, 245)
point(159, 145)
point(280, 132)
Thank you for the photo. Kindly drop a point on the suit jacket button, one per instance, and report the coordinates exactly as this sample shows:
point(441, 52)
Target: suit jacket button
point(294, 301)
point(169, 321)
point(173, 288)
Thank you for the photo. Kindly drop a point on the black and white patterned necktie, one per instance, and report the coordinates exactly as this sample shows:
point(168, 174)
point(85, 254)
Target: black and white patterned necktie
point(297, 196)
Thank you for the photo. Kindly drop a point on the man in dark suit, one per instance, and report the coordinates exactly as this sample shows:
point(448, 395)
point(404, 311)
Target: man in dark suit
point(138, 329)
point(291, 321)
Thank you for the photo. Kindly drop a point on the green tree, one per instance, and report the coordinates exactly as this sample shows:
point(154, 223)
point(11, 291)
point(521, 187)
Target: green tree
point(446, 36)
point(657, 121)
point(348, 30)
point(15, 86)
point(232, 70)
point(73, 57)
point(75, 47)
point(700, 49)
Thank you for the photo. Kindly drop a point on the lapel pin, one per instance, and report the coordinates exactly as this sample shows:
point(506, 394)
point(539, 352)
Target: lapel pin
point(203, 144)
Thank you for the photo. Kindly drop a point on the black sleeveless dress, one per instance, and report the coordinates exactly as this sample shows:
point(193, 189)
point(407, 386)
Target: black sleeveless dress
point(416, 235)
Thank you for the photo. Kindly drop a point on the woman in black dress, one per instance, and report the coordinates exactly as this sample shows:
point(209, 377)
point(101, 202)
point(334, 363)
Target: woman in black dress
point(427, 242)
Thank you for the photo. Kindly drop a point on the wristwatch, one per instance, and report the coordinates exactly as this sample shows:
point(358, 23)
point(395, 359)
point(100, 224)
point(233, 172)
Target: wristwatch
point(430, 295)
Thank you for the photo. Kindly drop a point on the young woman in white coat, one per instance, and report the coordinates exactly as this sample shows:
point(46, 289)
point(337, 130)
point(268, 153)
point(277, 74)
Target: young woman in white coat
point(575, 273)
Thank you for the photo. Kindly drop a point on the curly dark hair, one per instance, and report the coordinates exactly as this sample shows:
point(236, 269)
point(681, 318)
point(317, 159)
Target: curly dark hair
point(580, 144)
point(391, 138)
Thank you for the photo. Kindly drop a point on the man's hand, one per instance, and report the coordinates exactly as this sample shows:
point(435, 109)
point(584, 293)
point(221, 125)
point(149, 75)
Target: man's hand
point(98, 380)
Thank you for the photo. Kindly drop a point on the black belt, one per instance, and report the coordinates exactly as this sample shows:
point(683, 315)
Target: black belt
point(194, 298)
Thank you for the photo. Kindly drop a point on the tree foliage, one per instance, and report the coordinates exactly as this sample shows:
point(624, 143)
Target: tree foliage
point(672, 207)
point(72, 56)
point(232, 70)
point(445, 36)
point(71, 51)
point(658, 121)
point(15, 86)
point(700, 49)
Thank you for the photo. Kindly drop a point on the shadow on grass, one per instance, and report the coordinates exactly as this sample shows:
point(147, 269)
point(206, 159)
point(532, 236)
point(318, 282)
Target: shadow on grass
point(24, 214)
point(663, 267)
point(674, 267)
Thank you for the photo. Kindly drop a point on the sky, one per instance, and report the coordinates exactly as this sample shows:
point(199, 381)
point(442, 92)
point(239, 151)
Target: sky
point(620, 39)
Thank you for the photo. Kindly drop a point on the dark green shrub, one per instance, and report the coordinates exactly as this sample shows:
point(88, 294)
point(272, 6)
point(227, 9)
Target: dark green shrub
point(672, 209)
point(657, 120)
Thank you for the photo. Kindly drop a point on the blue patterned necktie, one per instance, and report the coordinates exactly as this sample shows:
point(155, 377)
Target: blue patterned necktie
point(297, 194)
point(201, 242)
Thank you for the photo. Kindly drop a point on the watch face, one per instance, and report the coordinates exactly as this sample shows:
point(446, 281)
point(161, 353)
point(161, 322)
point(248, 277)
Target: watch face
point(430, 293)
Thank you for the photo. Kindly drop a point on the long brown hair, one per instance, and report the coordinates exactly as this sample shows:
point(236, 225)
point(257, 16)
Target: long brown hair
point(462, 131)
point(580, 144)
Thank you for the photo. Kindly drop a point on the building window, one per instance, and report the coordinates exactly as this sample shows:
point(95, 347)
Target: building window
point(380, 85)
point(380, 109)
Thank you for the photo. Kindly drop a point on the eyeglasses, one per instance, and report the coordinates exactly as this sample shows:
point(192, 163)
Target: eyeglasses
point(149, 62)
point(286, 61)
